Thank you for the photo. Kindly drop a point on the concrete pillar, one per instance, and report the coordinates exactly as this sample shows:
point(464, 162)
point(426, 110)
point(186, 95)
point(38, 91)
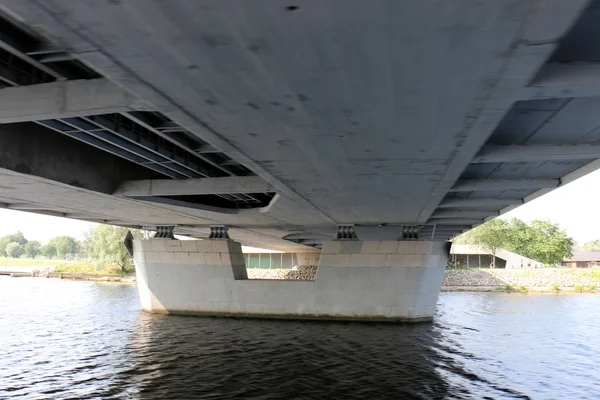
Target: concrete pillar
point(367, 280)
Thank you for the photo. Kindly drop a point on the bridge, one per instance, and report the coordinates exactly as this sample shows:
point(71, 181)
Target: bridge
point(389, 126)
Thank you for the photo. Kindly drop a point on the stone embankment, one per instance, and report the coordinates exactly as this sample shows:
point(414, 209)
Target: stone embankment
point(529, 278)
point(300, 273)
point(475, 278)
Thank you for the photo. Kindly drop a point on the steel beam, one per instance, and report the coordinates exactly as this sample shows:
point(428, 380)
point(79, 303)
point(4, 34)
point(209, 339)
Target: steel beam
point(86, 137)
point(18, 49)
point(500, 154)
point(64, 99)
point(8, 76)
point(137, 118)
point(198, 186)
point(470, 185)
point(463, 203)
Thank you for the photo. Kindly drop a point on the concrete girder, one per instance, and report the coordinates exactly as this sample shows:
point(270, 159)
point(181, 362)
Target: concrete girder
point(455, 221)
point(26, 206)
point(462, 214)
point(168, 187)
point(516, 153)
point(445, 227)
point(86, 217)
point(461, 203)
point(522, 65)
point(206, 149)
point(63, 99)
point(561, 80)
point(470, 185)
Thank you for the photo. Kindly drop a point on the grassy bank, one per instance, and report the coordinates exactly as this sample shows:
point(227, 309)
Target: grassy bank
point(68, 266)
point(111, 270)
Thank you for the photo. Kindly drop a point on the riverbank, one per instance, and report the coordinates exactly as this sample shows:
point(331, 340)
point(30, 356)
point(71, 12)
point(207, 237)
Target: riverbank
point(523, 280)
point(64, 269)
point(70, 276)
point(575, 280)
point(481, 279)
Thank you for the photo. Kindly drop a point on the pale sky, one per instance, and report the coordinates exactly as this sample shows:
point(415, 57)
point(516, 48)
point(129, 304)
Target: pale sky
point(573, 206)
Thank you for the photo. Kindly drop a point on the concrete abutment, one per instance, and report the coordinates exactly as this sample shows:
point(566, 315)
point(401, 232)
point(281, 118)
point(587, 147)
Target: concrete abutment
point(356, 280)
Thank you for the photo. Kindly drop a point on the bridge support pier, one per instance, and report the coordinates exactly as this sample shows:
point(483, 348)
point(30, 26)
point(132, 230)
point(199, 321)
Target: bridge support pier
point(356, 280)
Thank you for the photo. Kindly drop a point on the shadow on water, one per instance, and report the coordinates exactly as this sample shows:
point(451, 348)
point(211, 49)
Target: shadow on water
point(87, 341)
point(185, 357)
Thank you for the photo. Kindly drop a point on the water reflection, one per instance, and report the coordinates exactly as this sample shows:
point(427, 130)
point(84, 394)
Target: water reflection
point(84, 340)
point(186, 357)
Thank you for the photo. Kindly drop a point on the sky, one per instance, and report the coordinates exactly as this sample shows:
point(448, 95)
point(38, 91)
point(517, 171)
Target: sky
point(573, 206)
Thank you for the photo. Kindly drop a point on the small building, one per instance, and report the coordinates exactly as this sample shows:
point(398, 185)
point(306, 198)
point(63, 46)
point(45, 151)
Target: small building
point(583, 259)
point(471, 256)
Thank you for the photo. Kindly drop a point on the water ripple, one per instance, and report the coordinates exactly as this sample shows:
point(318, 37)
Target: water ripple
point(87, 341)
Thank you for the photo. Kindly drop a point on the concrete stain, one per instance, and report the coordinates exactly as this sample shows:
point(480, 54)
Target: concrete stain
point(216, 40)
point(252, 105)
point(257, 45)
point(307, 316)
point(285, 142)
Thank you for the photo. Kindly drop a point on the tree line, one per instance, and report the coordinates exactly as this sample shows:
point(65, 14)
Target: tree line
point(102, 243)
point(592, 245)
point(17, 245)
point(539, 240)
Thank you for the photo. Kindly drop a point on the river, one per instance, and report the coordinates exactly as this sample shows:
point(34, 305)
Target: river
point(80, 340)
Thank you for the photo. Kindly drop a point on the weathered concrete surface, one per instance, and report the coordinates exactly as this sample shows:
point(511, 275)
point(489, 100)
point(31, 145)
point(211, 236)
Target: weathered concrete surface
point(170, 187)
point(369, 117)
point(274, 96)
point(64, 99)
point(374, 280)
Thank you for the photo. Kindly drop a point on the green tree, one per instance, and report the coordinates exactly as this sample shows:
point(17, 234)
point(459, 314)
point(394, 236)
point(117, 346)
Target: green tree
point(17, 237)
point(549, 244)
point(490, 236)
point(540, 240)
point(64, 245)
point(594, 245)
point(49, 250)
point(32, 248)
point(14, 250)
point(105, 245)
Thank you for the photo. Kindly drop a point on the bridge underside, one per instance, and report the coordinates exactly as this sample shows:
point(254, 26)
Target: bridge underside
point(284, 120)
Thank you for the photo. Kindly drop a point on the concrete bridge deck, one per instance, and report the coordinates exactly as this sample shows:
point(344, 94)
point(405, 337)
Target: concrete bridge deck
point(284, 120)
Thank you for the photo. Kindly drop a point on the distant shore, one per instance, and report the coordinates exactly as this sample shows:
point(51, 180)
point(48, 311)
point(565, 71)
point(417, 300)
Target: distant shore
point(549, 280)
point(555, 280)
point(71, 276)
